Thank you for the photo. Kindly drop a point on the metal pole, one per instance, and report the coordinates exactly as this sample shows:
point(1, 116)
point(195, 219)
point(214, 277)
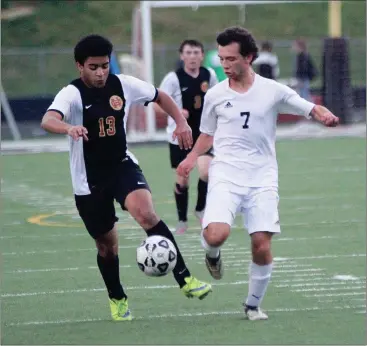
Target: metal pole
point(146, 23)
point(9, 116)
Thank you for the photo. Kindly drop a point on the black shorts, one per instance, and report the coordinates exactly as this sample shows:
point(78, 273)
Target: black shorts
point(97, 209)
point(177, 155)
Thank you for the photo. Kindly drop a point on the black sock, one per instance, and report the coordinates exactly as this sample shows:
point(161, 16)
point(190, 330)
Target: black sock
point(202, 191)
point(180, 272)
point(182, 201)
point(110, 271)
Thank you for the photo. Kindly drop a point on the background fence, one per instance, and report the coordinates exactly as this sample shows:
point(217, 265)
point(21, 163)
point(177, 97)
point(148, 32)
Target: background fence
point(42, 72)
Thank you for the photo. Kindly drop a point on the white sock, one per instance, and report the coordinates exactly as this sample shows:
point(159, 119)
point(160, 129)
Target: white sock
point(259, 277)
point(212, 252)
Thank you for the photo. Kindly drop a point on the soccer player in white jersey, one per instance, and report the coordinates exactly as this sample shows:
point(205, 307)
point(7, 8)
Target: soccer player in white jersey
point(188, 86)
point(94, 108)
point(240, 116)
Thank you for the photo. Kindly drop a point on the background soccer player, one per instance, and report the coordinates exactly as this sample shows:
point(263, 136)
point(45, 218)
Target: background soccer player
point(188, 86)
point(240, 116)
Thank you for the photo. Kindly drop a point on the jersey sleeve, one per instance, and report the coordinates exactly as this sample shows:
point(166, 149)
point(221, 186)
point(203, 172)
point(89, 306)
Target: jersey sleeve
point(291, 103)
point(138, 90)
point(63, 101)
point(213, 78)
point(208, 123)
point(170, 84)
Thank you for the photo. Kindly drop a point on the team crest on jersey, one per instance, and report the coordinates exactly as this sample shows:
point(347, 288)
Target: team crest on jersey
point(204, 86)
point(116, 102)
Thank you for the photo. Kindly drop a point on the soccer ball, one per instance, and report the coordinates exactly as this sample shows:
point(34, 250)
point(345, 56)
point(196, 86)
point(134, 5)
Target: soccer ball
point(156, 256)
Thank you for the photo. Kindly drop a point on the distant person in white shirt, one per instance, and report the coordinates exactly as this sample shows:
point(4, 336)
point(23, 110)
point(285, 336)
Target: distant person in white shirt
point(267, 62)
point(239, 119)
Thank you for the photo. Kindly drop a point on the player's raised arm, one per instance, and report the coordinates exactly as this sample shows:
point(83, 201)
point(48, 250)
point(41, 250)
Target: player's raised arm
point(292, 103)
point(183, 131)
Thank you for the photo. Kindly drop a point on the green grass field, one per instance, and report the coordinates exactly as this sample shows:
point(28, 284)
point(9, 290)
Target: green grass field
point(52, 292)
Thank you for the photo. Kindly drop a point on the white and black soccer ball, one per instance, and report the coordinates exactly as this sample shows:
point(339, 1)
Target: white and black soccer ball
point(156, 256)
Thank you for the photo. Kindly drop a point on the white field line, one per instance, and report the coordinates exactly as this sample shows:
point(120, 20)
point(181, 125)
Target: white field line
point(41, 199)
point(328, 283)
point(82, 290)
point(335, 294)
point(185, 243)
point(327, 158)
point(41, 270)
point(318, 289)
point(327, 256)
point(185, 250)
point(196, 236)
point(45, 270)
point(190, 315)
point(276, 266)
point(40, 252)
point(328, 301)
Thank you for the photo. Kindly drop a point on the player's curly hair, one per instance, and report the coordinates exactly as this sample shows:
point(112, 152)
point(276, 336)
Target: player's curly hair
point(241, 36)
point(92, 45)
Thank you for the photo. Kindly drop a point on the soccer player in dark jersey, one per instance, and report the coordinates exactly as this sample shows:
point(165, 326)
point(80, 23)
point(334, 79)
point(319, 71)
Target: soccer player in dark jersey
point(188, 86)
point(92, 110)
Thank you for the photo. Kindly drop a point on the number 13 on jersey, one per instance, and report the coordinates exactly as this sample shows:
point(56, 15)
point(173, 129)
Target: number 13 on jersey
point(111, 129)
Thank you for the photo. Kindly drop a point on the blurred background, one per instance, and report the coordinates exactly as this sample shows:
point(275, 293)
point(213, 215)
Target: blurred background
point(38, 39)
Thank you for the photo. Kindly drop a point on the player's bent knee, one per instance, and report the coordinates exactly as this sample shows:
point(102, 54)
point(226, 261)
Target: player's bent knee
point(146, 218)
point(107, 250)
point(216, 234)
point(261, 244)
point(182, 181)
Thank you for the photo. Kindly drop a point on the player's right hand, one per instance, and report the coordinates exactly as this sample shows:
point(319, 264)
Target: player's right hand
point(78, 131)
point(183, 134)
point(187, 165)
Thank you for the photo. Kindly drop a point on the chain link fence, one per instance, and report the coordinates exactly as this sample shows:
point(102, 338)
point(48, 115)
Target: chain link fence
point(42, 72)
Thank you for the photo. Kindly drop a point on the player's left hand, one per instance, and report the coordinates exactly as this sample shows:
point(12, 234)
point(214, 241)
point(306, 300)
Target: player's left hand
point(187, 165)
point(324, 116)
point(183, 134)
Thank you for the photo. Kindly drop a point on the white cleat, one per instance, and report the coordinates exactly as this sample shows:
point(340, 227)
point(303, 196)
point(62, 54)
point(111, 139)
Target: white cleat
point(181, 227)
point(255, 314)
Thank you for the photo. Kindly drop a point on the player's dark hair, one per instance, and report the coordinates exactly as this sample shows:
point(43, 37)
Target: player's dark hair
point(193, 43)
point(267, 46)
point(241, 36)
point(92, 45)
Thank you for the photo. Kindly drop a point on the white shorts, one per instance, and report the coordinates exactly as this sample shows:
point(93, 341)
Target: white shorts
point(258, 206)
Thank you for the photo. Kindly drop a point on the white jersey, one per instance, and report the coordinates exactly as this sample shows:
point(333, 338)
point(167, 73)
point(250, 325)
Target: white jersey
point(113, 102)
point(171, 85)
point(267, 58)
point(244, 130)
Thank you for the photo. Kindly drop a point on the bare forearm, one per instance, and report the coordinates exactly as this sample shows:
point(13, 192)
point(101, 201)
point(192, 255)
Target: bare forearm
point(318, 110)
point(167, 105)
point(324, 116)
point(54, 125)
point(202, 145)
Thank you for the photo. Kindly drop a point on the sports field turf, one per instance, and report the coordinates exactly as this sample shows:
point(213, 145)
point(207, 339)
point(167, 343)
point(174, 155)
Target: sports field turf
point(52, 292)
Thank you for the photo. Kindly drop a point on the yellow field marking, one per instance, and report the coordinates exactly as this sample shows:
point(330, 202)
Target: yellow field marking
point(40, 220)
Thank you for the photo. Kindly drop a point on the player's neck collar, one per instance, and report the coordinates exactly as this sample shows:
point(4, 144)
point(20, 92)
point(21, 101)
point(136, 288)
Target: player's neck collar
point(229, 88)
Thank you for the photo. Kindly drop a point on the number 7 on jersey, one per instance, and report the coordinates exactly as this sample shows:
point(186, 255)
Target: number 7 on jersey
point(247, 115)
